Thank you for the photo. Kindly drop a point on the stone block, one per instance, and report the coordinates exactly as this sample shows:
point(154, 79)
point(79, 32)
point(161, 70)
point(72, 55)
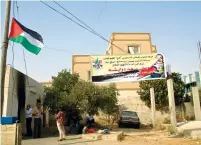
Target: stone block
point(188, 127)
point(8, 134)
point(115, 136)
point(196, 134)
point(93, 136)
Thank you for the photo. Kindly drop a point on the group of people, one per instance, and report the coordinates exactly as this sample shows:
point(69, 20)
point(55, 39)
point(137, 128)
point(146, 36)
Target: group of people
point(74, 124)
point(36, 114)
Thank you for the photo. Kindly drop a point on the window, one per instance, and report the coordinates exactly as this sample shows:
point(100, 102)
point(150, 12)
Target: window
point(109, 51)
point(89, 75)
point(134, 49)
point(129, 113)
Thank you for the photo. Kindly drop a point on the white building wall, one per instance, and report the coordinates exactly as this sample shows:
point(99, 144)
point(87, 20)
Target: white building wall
point(33, 91)
point(10, 93)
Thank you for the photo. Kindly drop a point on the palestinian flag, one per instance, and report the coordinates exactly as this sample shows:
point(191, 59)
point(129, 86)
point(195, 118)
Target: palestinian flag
point(30, 39)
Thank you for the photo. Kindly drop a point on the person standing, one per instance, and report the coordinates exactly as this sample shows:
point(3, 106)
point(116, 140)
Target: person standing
point(37, 114)
point(29, 120)
point(60, 120)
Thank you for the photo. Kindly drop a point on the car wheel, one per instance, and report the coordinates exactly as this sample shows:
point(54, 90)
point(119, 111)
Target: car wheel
point(120, 125)
point(137, 126)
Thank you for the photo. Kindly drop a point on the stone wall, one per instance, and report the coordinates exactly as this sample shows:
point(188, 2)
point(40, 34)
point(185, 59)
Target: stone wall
point(9, 134)
point(189, 111)
point(130, 100)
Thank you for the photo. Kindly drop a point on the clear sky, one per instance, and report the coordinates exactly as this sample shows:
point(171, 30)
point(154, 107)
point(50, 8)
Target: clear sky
point(175, 28)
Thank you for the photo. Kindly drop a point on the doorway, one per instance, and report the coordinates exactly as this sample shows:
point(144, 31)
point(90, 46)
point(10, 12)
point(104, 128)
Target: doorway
point(21, 96)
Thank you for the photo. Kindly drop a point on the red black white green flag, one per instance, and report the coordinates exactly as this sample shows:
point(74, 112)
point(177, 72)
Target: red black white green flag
point(30, 39)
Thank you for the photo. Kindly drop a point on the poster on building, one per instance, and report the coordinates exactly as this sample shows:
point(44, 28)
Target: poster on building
point(127, 68)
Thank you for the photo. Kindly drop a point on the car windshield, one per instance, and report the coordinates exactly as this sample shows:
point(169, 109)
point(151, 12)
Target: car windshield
point(129, 113)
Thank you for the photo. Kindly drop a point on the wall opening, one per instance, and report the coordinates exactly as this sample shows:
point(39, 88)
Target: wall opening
point(21, 95)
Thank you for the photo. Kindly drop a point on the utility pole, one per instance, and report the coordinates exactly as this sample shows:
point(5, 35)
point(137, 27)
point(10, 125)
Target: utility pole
point(4, 50)
point(199, 52)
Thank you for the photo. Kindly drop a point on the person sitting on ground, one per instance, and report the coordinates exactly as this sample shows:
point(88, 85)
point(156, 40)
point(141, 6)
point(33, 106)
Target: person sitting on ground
point(75, 122)
point(89, 122)
point(74, 126)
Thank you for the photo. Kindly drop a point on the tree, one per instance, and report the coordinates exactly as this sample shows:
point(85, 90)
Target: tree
point(58, 94)
point(70, 92)
point(161, 93)
point(109, 104)
point(65, 81)
point(92, 98)
point(86, 96)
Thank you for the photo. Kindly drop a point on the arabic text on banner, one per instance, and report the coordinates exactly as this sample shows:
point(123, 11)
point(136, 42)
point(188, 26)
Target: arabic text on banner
point(124, 68)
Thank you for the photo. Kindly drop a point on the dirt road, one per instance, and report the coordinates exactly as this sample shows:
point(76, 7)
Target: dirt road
point(132, 137)
point(158, 139)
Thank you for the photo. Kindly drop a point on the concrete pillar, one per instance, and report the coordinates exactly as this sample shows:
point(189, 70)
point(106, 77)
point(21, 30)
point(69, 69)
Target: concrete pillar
point(200, 74)
point(47, 118)
point(196, 102)
point(153, 108)
point(171, 103)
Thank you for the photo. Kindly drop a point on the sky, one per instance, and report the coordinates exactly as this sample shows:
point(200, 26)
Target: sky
point(175, 29)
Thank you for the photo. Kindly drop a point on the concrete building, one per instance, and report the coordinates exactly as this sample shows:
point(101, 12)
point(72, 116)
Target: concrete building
point(46, 84)
point(19, 91)
point(127, 43)
point(191, 80)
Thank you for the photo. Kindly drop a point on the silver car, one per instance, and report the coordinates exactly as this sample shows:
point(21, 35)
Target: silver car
point(129, 118)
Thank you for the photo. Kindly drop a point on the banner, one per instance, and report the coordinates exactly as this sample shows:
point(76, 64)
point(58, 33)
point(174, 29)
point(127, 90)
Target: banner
point(127, 68)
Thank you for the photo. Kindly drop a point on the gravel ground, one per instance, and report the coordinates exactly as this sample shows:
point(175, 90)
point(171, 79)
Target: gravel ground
point(132, 137)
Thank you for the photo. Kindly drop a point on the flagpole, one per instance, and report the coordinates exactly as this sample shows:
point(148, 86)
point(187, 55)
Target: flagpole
point(4, 50)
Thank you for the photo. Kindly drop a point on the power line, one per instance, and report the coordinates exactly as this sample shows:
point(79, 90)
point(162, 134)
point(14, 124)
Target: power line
point(96, 33)
point(25, 64)
point(67, 17)
point(17, 10)
point(199, 50)
point(75, 17)
point(102, 10)
point(55, 49)
point(88, 28)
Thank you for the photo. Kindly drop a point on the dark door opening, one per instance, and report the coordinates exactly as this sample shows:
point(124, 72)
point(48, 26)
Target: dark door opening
point(21, 94)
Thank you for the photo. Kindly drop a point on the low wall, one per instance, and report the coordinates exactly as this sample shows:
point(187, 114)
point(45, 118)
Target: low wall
point(11, 134)
point(189, 111)
point(130, 100)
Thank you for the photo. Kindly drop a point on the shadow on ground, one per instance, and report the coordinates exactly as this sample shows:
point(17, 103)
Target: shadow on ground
point(47, 133)
point(79, 142)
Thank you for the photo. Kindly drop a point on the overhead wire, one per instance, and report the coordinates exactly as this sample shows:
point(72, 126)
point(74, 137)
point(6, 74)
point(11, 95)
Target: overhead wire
point(24, 58)
point(62, 50)
point(75, 17)
point(199, 50)
point(17, 10)
point(96, 33)
point(102, 10)
point(86, 27)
